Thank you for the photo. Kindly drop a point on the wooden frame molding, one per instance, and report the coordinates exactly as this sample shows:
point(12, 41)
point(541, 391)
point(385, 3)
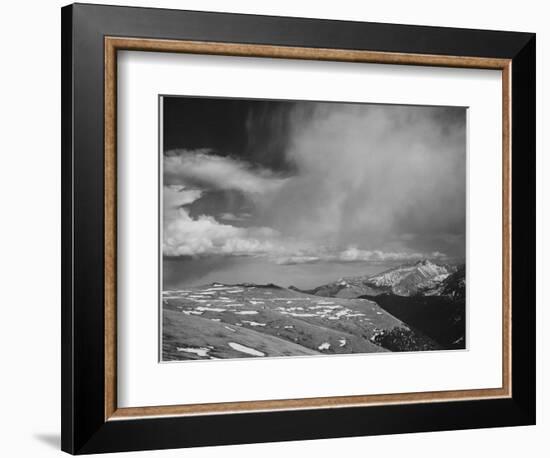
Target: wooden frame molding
point(111, 46)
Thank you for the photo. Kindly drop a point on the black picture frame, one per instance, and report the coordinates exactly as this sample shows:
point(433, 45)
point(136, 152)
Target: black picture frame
point(84, 427)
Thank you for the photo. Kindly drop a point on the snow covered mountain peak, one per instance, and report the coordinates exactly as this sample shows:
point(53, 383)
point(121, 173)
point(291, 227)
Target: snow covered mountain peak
point(407, 279)
point(424, 277)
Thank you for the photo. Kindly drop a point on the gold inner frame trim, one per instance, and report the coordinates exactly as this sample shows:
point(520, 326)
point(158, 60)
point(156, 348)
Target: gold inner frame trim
point(114, 44)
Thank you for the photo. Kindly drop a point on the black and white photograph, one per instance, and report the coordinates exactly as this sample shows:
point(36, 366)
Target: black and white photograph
point(301, 228)
point(275, 229)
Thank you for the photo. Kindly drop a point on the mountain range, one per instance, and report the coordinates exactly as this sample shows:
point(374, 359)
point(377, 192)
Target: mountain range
point(429, 297)
point(424, 277)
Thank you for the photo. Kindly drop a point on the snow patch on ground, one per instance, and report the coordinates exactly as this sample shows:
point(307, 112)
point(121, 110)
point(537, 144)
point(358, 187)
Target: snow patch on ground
point(209, 309)
point(253, 323)
point(191, 312)
point(243, 349)
point(324, 346)
point(298, 314)
point(200, 351)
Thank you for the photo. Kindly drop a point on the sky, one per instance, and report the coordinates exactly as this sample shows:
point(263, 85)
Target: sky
point(302, 193)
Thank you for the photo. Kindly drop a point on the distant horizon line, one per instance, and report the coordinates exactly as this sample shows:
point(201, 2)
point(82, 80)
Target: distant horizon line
point(275, 285)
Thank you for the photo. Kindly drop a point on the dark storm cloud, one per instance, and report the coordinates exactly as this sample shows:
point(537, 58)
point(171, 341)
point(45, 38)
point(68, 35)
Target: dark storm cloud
point(370, 174)
point(269, 130)
point(256, 131)
point(308, 182)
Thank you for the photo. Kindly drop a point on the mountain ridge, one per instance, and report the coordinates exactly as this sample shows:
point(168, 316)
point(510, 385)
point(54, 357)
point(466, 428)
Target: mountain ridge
point(423, 277)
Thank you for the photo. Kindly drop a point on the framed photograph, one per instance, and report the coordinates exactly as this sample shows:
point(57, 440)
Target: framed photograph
point(281, 228)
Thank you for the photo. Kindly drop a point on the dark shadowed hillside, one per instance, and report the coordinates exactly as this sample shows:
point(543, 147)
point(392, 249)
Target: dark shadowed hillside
point(455, 284)
point(440, 317)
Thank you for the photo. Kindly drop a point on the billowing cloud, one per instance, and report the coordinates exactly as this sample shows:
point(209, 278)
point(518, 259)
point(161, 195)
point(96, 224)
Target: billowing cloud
point(187, 236)
point(353, 254)
point(202, 169)
point(187, 174)
point(320, 240)
point(184, 235)
point(176, 196)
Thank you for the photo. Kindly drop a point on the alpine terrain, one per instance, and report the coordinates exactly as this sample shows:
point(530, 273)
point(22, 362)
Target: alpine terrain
point(412, 307)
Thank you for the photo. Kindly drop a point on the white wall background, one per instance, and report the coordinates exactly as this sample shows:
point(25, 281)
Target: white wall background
point(30, 229)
